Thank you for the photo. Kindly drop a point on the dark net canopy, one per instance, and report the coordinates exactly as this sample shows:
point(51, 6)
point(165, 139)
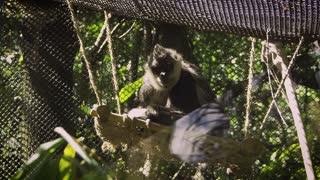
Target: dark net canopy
point(286, 19)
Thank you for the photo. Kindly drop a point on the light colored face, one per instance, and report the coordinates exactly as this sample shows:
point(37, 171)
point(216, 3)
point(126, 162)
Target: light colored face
point(165, 67)
point(167, 80)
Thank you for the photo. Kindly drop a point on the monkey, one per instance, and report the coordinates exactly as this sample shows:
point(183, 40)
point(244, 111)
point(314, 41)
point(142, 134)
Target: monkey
point(171, 84)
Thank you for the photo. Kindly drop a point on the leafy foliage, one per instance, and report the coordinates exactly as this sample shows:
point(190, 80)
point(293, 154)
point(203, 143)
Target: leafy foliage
point(46, 164)
point(40, 161)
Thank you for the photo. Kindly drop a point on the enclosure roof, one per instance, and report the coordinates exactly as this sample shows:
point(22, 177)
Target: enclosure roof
point(286, 19)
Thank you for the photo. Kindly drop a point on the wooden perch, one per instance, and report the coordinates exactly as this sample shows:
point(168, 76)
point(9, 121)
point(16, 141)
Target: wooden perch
point(118, 128)
point(140, 136)
point(103, 113)
point(115, 129)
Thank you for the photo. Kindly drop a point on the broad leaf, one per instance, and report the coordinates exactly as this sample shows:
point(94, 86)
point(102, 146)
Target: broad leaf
point(38, 161)
point(127, 91)
point(66, 164)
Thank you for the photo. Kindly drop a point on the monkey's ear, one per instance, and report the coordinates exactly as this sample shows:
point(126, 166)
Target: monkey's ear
point(159, 51)
point(158, 48)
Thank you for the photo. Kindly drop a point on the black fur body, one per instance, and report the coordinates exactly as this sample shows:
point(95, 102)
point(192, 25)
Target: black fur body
point(174, 93)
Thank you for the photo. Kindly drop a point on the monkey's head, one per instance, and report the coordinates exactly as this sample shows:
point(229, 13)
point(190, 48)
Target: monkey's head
point(163, 67)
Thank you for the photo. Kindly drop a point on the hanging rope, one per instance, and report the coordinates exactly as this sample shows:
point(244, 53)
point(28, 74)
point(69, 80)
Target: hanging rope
point(84, 53)
point(113, 61)
point(112, 117)
point(282, 82)
point(280, 61)
point(265, 51)
point(249, 88)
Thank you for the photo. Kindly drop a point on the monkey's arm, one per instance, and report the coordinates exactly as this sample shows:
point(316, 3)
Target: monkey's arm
point(163, 115)
point(158, 114)
point(204, 91)
point(152, 105)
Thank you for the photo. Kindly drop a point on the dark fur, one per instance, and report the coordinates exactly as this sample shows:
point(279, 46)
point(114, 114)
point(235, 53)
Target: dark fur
point(186, 94)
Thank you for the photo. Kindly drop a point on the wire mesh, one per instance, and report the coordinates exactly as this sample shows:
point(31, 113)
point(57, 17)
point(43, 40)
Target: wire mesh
point(42, 88)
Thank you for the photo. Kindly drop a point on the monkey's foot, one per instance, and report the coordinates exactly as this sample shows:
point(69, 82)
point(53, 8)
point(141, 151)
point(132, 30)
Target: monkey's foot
point(137, 113)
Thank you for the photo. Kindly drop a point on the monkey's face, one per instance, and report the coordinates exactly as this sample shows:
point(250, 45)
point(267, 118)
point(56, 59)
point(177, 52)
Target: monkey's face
point(165, 67)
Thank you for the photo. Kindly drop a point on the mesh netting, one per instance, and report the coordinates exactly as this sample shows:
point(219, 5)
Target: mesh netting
point(40, 81)
point(44, 82)
point(286, 20)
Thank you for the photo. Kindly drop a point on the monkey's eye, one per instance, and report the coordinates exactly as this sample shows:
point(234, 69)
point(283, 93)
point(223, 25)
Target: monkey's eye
point(169, 64)
point(156, 70)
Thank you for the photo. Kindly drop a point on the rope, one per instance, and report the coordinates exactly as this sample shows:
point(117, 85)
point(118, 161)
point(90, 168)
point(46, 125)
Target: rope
point(113, 61)
point(249, 89)
point(281, 63)
point(265, 50)
point(84, 53)
point(282, 82)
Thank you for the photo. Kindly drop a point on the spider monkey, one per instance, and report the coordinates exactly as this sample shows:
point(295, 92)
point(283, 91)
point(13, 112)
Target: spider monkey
point(170, 84)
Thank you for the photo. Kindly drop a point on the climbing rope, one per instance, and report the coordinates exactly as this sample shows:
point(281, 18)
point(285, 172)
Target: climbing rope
point(113, 60)
point(85, 56)
point(249, 88)
point(84, 52)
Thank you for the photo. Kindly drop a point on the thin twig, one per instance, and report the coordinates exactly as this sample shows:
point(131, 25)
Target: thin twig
point(100, 38)
point(113, 62)
point(106, 39)
point(84, 52)
point(125, 33)
point(102, 45)
point(116, 26)
point(177, 173)
point(282, 82)
point(249, 89)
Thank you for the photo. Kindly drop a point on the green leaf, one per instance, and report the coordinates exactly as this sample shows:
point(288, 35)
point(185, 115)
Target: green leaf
point(20, 60)
point(127, 91)
point(65, 163)
point(97, 171)
point(288, 151)
point(85, 109)
point(213, 59)
point(77, 147)
point(35, 165)
point(277, 162)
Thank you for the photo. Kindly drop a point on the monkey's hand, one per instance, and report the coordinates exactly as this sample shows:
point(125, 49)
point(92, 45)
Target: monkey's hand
point(137, 113)
point(155, 113)
point(163, 115)
point(151, 112)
